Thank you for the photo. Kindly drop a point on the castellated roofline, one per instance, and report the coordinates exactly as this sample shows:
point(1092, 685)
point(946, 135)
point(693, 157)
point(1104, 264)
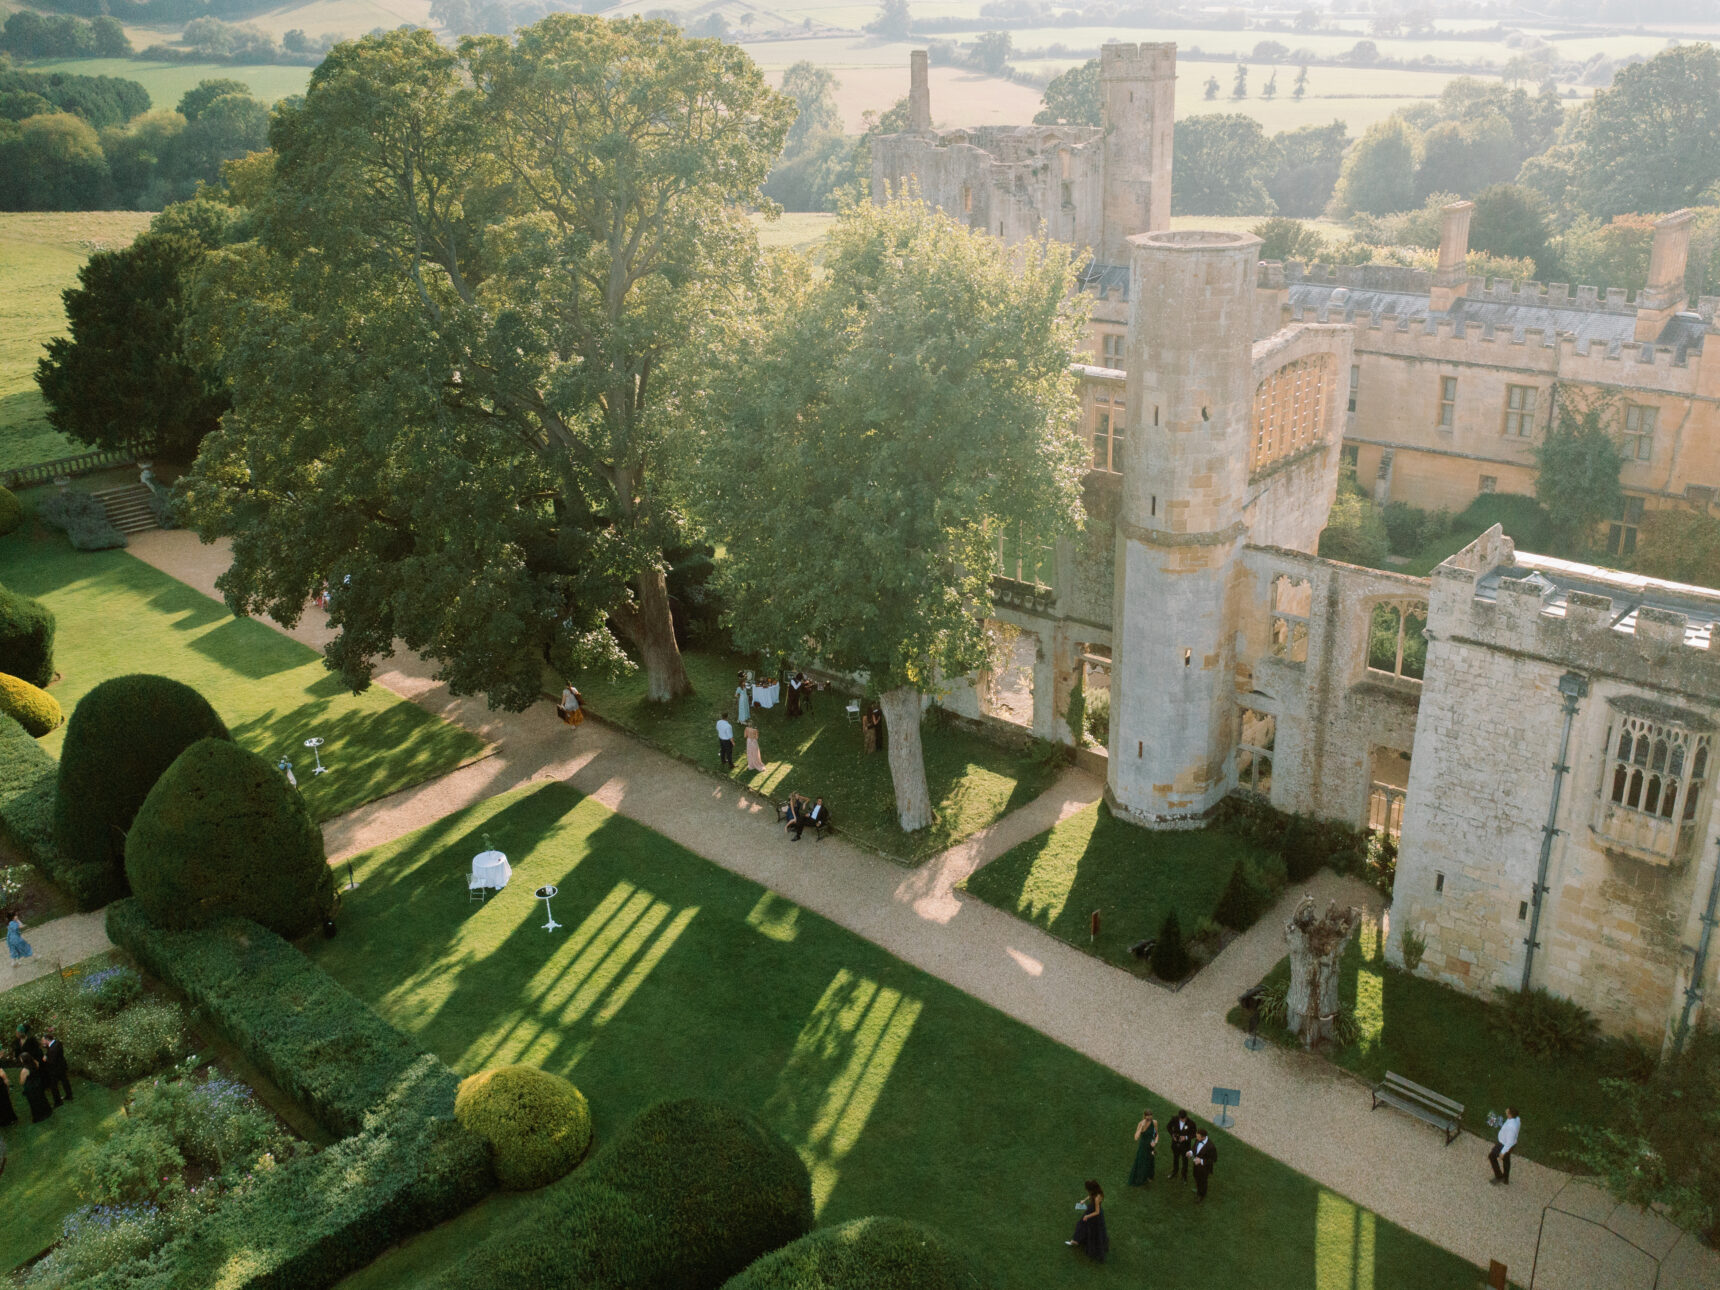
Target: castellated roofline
point(1120, 60)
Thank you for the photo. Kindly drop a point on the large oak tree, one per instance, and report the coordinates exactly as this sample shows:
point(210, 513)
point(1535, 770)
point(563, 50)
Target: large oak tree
point(889, 420)
point(460, 347)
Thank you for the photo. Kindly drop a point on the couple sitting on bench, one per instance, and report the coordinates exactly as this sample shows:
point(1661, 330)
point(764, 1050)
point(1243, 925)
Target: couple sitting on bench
point(799, 815)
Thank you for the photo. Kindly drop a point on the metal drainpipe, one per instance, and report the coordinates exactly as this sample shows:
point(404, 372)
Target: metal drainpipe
point(1573, 686)
point(1700, 967)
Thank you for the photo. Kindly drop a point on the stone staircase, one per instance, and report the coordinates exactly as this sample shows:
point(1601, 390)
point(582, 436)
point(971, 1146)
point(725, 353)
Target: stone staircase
point(128, 509)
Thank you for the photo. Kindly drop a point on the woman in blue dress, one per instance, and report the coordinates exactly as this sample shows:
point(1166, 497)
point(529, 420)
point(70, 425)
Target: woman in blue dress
point(1146, 1148)
point(1090, 1234)
point(15, 941)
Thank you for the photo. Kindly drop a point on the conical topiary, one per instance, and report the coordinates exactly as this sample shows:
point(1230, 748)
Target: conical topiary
point(1170, 954)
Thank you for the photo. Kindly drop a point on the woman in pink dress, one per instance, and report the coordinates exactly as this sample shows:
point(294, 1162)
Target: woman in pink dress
point(754, 761)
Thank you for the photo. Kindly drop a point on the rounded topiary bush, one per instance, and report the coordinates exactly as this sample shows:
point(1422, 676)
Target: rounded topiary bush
point(537, 1124)
point(36, 710)
point(26, 638)
point(864, 1254)
point(11, 512)
point(222, 832)
point(121, 737)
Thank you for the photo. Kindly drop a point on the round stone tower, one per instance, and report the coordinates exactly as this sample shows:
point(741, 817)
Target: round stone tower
point(1137, 84)
point(1189, 356)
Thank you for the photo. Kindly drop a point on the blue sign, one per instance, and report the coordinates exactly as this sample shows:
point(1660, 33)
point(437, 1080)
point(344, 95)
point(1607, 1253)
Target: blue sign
point(1226, 1096)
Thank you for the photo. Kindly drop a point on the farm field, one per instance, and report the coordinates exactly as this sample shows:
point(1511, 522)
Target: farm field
point(167, 82)
point(40, 255)
point(349, 17)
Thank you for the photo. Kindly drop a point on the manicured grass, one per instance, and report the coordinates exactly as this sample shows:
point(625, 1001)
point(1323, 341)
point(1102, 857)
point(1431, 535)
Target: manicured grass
point(118, 615)
point(40, 255)
point(1439, 1038)
point(671, 976)
point(40, 1185)
point(1132, 876)
point(972, 781)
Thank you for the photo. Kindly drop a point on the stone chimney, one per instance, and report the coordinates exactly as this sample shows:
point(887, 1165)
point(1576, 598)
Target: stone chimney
point(919, 93)
point(1451, 276)
point(1664, 294)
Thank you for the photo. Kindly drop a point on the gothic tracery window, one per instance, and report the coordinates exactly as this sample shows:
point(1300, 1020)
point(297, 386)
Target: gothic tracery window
point(1657, 767)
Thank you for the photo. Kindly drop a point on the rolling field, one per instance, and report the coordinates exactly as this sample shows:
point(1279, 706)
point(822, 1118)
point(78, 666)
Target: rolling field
point(167, 82)
point(40, 255)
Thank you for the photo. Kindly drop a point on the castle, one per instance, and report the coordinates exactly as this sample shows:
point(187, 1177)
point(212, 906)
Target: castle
point(1538, 732)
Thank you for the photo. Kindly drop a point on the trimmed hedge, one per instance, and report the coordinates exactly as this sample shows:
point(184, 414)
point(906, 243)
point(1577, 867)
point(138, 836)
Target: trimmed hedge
point(686, 1196)
point(406, 1165)
point(864, 1254)
point(538, 1125)
point(11, 512)
point(122, 737)
point(26, 638)
point(36, 710)
point(82, 519)
point(221, 834)
point(27, 782)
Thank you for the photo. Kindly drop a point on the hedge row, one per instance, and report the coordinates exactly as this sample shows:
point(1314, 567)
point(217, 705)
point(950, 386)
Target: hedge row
point(864, 1254)
point(325, 1048)
point(1306, 843)
point(27, 786)
point(685, 1197)
point(308, 1222)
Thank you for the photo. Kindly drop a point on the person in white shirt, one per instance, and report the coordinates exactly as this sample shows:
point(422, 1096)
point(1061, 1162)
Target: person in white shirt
point(1500, 1156)
point(725, 741)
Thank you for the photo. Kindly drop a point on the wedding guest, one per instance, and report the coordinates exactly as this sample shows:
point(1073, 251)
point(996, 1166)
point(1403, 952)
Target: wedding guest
point(27, 1047)
point(36, 1091)
point(16, 943)
point(794, 816)
point(1090, 1234)
point(1182, 1134)
point(1146, 1150)
point(55, 1068)
point(571, 709)
point(743, 698)
point(8, 1116)
point(819, 818)
point(755, 760)
point(796, 689)
point(725, 742)
point(872, 729)
point(1204, 1157)
point(1500, 1156)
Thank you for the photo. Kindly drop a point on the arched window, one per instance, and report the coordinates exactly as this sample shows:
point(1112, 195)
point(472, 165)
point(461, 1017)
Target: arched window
point(1648, 766)
point(1397, 638)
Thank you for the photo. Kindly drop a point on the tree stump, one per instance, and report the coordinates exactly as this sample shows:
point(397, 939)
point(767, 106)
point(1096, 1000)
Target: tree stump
point(1316, 945)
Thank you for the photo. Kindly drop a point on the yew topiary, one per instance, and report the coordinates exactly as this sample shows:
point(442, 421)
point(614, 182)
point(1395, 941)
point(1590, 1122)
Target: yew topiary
point(26, 638)
point(122, 735)
point(36, 710)
point(537, 1124)
point(863, 1254)
point(223, 833)
point(11, 512)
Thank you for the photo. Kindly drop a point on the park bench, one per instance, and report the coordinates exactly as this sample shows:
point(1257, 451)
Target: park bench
point(1423, 1103)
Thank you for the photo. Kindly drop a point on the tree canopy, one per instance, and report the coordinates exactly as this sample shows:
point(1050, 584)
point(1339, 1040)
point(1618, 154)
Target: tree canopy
point(1579, 463)
point(1379, 173)
point(1652, 141)
point(1222, 162)
point(1073, 97)
point(463, 343)
point(912, 400)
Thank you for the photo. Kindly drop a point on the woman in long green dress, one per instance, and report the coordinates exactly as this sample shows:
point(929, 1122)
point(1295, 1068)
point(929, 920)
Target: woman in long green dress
point(1146, 1147)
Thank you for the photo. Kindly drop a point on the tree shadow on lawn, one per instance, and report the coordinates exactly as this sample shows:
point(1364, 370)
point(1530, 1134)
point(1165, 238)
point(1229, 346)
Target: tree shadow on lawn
point(250, 648)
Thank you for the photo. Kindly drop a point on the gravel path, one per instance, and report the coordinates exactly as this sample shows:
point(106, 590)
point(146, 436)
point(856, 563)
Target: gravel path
point(58, 943)
point(1296, 1107)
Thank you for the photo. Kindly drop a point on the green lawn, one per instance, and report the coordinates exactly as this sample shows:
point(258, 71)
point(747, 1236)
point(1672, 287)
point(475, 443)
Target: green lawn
point(973, 782)
point(118, 615)
point(167, 82)
point(671, 976)
point(40, 255)
point(40, 1181)
point(1433, 1035)
point(1133, 876)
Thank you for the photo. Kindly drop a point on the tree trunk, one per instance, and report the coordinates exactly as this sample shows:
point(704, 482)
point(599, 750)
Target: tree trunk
point(907, 760)
point(652, 631)
point(1316, 945)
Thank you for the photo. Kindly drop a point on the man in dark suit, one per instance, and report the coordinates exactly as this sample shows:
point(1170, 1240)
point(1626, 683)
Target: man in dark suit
point(819, 818)
point(55, 1068)
point(1203, 1155)
point(1181, 1131)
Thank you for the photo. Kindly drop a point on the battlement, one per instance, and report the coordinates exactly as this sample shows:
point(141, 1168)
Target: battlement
point(1125, 60)
point(1596, 620)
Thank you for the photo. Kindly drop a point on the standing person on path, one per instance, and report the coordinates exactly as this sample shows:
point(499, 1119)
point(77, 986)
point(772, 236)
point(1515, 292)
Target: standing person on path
point(725, 742)
point(16, 943)
point(55, 1068)
point(743, 698)
point(1182, 1134)
point(571, 709)
point(1146, 1150)
point(1204, 1157)
point(755, 761)
point(1500, 1156)
point(1090, 1234)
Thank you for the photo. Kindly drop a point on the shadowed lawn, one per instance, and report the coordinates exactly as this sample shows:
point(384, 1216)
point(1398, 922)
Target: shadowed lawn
point(40, 1183)
point(118, 615)
point(1133, 876)
point(671, 976)
point(1439, 1038)
point(972, 781)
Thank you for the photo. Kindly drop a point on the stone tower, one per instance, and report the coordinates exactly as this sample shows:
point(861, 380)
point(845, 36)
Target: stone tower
point(919, 93)
point(1138, 87)
point(1189, 356)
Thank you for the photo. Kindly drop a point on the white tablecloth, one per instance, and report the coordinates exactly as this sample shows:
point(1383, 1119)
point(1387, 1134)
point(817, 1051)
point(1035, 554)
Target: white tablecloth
point(766, 695)
point(491, 869)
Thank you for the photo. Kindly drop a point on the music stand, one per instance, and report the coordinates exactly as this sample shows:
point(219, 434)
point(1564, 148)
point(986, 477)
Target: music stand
point(544, 893)
point(1223, 1099)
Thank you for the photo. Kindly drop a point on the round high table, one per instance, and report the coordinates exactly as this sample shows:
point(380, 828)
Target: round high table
point(544, 893)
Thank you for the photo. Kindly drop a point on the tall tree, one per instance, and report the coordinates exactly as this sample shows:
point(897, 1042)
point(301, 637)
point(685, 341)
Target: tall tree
point(813, 90)
point(1222, 161)
point(462, 347)
point(892, 20)
point(1511, 221)
point(1073, 97)
point(1579, 463)
point(1306, 168)
point(1379, 173)
point(1652, 142)
point(912, 401)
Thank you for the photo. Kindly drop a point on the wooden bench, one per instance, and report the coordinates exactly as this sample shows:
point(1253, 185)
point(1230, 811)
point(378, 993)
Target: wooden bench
point(1423, 1103)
